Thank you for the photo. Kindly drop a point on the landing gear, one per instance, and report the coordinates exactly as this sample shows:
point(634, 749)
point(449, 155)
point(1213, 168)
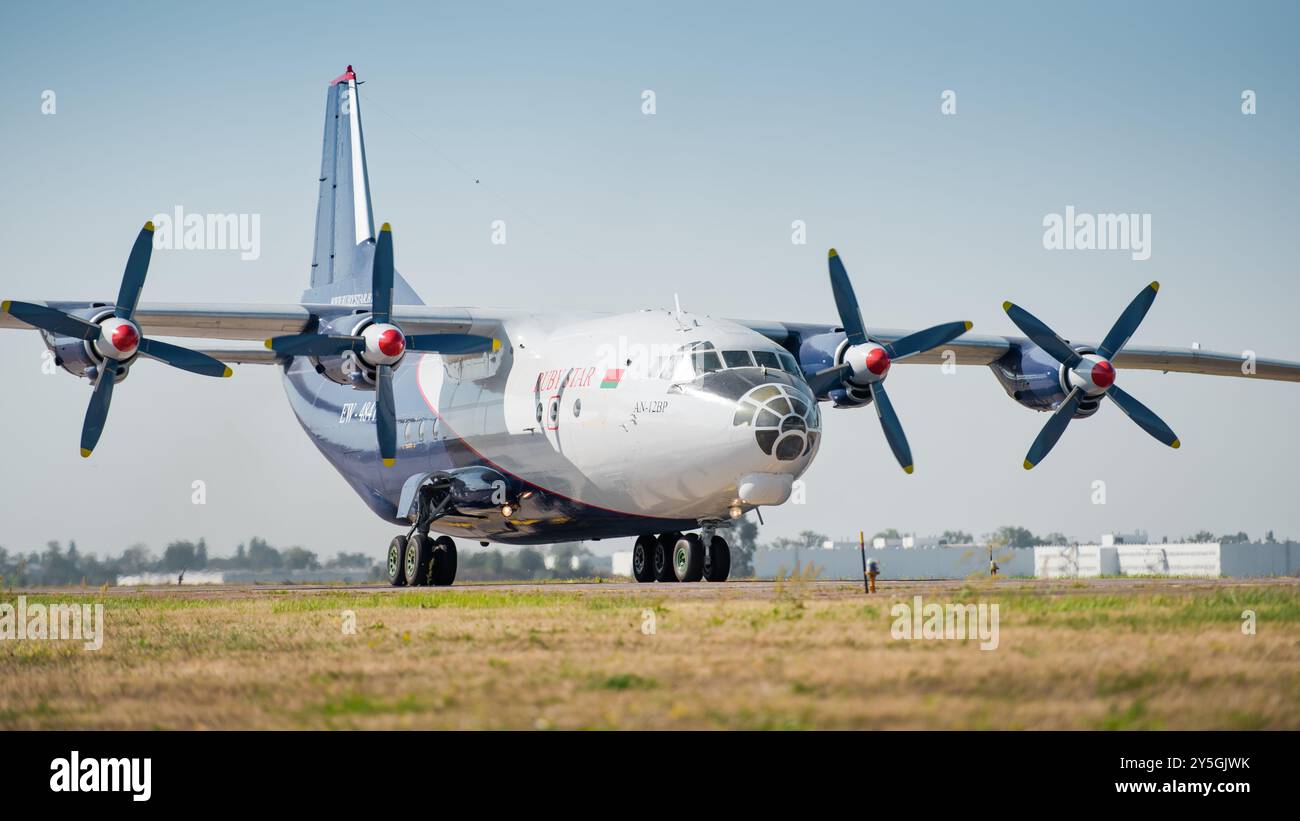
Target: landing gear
point(419, 558)
point(688, 558)
point(717, 560)
point(443, 564)
point(663, 563)
point(673, 557)
point(643, 558)
point(397, 561)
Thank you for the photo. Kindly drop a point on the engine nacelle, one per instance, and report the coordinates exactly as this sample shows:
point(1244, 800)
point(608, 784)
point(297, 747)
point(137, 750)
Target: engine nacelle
point(1036, 380)
point(347, 368)
point(80, 357)
point(822, 351)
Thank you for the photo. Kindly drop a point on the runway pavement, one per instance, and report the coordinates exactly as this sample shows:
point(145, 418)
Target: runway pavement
point(748, 589)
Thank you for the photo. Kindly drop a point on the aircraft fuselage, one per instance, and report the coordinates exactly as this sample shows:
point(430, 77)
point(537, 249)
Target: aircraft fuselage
point(601, 426)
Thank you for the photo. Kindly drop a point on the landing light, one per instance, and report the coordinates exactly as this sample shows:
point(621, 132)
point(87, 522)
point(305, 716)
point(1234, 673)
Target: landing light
point(735, 512)
point(507, 510)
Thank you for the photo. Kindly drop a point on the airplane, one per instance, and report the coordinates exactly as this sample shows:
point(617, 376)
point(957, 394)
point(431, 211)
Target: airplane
point(524, 427)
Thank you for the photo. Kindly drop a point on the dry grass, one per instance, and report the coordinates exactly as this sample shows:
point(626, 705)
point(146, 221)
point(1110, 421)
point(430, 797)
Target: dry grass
point(1101, 654)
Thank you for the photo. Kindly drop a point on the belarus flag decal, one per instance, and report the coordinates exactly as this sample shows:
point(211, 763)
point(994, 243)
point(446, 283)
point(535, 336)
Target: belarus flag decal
point(612, 378)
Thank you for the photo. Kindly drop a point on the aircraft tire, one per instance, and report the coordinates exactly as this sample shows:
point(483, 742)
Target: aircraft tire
point(443, 572)
point(663, 558)
point(397, 561)
point(643, 558)
point(419, 554)
point(688, 558)
point(717, 560)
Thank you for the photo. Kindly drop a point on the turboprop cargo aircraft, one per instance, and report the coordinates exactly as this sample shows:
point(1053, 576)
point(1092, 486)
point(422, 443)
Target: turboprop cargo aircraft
point(524, 427)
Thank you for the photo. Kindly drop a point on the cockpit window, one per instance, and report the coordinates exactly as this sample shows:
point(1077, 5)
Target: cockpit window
point(699, 358)
point(788, 364)
point(706, 362)
point(737, 359)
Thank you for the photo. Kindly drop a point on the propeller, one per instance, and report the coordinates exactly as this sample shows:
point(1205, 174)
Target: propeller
point(382, 344)
point(1090, 375)
point(116, 339)
point(866, 361)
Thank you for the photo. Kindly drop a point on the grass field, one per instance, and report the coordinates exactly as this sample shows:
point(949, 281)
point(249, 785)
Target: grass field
point(1107, 654)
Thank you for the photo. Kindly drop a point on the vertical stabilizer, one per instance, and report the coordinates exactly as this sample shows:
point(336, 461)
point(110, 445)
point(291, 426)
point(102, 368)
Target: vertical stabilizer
point(345, 223)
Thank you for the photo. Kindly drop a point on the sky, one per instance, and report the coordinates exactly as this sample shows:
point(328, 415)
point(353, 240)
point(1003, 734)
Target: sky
point(764, 114)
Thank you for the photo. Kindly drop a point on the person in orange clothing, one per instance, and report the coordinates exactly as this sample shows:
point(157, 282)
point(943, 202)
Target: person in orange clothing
point(873, 570)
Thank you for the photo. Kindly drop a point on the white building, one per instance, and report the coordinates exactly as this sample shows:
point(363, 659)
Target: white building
point(1214, 559)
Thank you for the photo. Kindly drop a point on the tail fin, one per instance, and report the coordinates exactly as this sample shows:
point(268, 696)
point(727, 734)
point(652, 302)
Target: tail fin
point(345, 224)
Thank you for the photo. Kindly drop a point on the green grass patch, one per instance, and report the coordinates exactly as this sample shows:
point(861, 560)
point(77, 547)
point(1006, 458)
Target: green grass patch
point(623, 681)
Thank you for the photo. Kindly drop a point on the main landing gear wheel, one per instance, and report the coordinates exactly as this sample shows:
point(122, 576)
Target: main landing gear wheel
point(397, 561)
point(663, 563)
point(688, 558)
point(643, 558)
point(444, 562)
point(717, 560)
point(419, 554)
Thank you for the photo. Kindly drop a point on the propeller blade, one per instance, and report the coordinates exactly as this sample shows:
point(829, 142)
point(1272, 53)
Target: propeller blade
point(846, 302)
point(1052, 431)
point(97, 410)
point(1041, 335)
point(381, 276)
point(315, 344)
point(183, 358)
point(1128, 322)
point(452, 343)
point(137, 265)
point(922, 341)
point(48, 319)
point(893, 428)
point(823, 381)
point(386, 421)
point(1144, 416)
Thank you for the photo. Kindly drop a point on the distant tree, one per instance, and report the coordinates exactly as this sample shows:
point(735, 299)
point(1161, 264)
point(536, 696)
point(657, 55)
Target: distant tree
point(344, 560)
point(1235, 538)
point(1012, 536)
point(178, 556)
point(135, 559)
point(811, 538)
point(743, 544)
point(1200, 536)
point(891, 533)
point(201, 554)
point(956, 537)
point(297, 558)
point(531, 562)
point(261, 556)
point(1268, 537)
point(1054, 537)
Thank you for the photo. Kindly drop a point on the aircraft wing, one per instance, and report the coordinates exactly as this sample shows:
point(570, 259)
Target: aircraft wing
point(236, 321)
point(986, 349)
